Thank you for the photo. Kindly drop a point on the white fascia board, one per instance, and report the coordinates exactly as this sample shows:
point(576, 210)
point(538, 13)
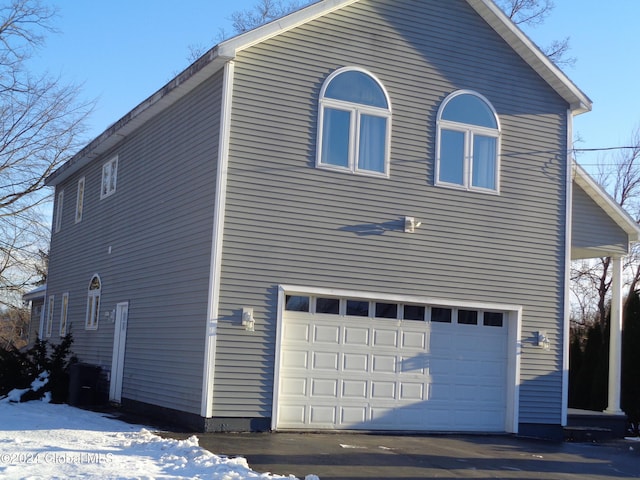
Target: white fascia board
point(230, 47)
point(606, 202)
point(531, 53)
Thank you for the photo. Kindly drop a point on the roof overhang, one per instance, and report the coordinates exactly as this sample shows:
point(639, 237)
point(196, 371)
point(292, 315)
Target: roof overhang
point(608, 204)
point(36, 293)
point(214, 60)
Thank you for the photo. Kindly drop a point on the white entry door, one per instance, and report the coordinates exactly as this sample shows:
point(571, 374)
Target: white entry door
point(119, 343)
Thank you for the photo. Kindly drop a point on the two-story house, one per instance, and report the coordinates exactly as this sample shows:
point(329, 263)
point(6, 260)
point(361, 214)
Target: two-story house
point(358, 216)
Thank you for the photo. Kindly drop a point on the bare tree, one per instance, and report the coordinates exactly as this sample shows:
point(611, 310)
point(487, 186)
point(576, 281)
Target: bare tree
point(263, 12)
point(532, 13)
point(41, 120)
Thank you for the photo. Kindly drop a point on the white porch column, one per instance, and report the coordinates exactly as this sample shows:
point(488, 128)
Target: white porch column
point(615, 340)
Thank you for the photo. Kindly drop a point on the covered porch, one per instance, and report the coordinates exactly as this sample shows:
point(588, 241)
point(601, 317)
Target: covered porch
point(600, 228)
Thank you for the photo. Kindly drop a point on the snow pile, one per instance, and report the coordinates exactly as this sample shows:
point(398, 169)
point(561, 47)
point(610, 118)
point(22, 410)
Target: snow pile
point(16, 394)
point(42, 440)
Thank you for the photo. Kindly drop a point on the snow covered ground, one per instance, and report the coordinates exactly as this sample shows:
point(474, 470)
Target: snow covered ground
point(39, 440)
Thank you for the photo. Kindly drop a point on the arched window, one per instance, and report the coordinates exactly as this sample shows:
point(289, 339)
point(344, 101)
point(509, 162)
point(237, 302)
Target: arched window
point(354, 124)
point(468, 144)
point(93, 303)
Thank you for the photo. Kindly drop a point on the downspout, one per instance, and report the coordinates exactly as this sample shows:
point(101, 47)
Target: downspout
point(206, 406)
point(566, 331)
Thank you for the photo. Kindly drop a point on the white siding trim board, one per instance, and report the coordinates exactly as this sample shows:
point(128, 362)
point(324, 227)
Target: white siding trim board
point(206, 409)
point(513, 318)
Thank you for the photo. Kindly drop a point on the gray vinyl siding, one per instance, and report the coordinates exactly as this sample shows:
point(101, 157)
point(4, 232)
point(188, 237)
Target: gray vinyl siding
point(290, 223)
point(593, 228)
point(157, 227)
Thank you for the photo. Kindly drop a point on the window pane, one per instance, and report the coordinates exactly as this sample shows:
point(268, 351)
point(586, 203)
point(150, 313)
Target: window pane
point(356, 87)
point(328, 305)
point(359, 308)
point(413, 312)
point(451, 157)
point(297, 303)
point(373, 138)
point(468, 317)
point(442, 315)
point(471, 110)
point(492, 319)
point(387, 310)
point(335, 137)
point(484, 162)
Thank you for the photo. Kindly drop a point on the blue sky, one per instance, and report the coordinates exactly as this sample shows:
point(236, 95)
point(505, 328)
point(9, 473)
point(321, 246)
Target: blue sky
point(122, 51)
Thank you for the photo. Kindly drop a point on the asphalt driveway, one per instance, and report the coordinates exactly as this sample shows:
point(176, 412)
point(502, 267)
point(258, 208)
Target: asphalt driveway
point(334, 456)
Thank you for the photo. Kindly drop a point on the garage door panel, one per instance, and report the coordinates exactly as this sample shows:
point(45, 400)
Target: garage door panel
point(340, 372)
point(355, 389)
point(384, 364)
point(326, 334)
point(295, 359)
point(385, 338)
point(324, 388)
point(358, 337)
point(295, 332)
point(325, 361)
point(416, 364)
point(292, 386)
point(355, 416)
point(355, 362)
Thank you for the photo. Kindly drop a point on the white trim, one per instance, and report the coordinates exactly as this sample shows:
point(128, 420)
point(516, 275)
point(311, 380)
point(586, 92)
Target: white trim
point(469, 131)
point(566, 327)
point(514, 348)
point(278, 358)
point(206, 407)
point(615, 339)
point(355, 111)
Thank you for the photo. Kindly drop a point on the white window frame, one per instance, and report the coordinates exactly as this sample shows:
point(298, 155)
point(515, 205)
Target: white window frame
point(64, 314)
point(93, 304)
point(109, 177)
point(59, 204)
point(49, 325)
point(469, 132)
point(356, 111)
point(80, 200)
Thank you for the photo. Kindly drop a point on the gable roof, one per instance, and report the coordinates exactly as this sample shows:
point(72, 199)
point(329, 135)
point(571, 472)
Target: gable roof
point(214, 60)
point(606, 203)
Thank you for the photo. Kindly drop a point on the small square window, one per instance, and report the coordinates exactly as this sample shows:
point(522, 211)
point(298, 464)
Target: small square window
point(492, 319)
point(468, 317)
point(358, 308)
point(297, 303)
point(413, 312)
point(441, 315)
point(386, 310)
point(328, 305)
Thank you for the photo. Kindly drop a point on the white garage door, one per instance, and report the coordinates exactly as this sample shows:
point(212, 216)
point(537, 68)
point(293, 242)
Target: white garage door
point(438, 369)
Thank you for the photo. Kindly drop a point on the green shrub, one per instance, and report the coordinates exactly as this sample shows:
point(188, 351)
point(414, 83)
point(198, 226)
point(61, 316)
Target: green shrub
point(19, 369)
